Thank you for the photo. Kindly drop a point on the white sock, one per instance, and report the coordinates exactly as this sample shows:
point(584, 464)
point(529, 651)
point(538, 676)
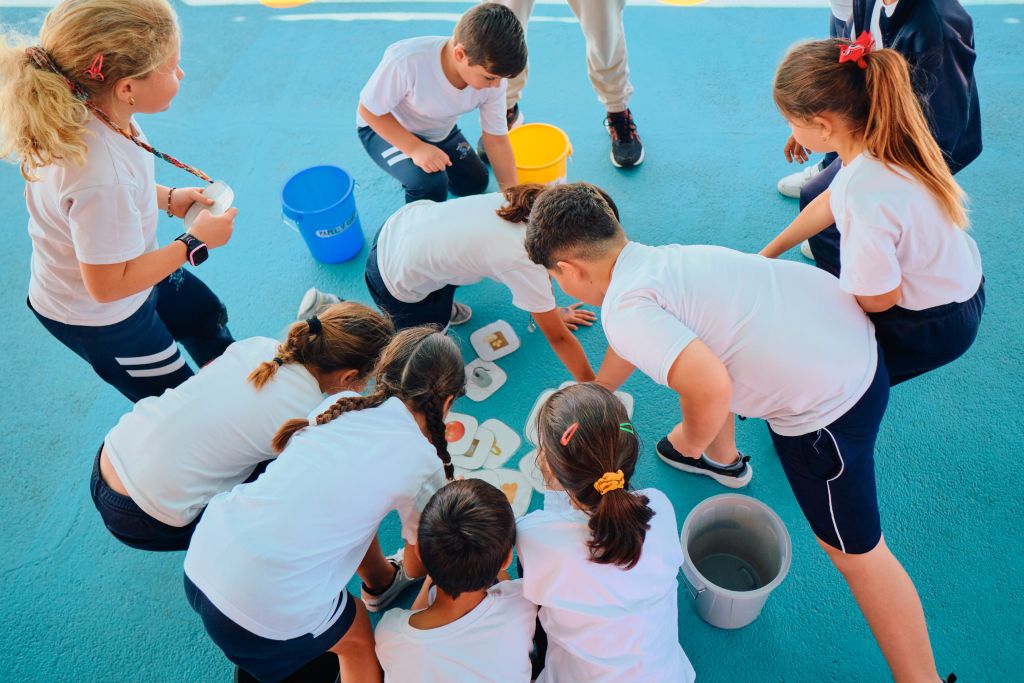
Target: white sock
point(733, 466)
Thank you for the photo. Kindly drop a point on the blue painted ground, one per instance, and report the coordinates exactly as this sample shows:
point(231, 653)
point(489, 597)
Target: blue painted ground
point(265, 98)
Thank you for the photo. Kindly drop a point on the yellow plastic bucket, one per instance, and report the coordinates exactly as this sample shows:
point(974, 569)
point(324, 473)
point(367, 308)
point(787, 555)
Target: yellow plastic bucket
point(541, 151)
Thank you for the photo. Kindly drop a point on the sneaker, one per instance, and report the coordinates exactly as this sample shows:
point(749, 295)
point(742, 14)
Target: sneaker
point(513, 117)
point(461, 313)
point(733, 477)
point(805, 249)
point(791, 185)
point(627, 150)
point(951, 678)
point(314, 301)
point(377, 603)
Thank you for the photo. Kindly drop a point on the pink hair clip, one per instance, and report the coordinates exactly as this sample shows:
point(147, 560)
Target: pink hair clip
point(95, 70)
point(568, 433)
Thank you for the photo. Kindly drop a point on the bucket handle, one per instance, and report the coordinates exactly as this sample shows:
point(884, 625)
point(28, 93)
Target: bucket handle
point(694, 584)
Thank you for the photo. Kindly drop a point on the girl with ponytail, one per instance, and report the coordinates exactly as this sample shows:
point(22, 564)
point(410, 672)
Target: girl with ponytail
point(165, 460)
point(269, 560)
point(425, 250)
point(904, 252)
point(601, 559)
point(99, 282)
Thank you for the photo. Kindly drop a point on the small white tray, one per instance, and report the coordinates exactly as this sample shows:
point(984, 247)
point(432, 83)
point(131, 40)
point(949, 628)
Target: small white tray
point(459, 432)
point(528, 466)
point(506, 443)
point(494, 341)
point(513, 484)
point(483, 378)
point(479, 450)
point(530, 430)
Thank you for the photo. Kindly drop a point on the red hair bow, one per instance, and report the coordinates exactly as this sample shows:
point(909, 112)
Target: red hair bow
point(95, 70)
point(857, 50)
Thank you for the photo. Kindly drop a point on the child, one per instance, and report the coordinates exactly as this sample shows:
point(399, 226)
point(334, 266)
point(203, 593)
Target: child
point(601, 559)
point(269, 560)
point(473, 624)
point(165, 460)
point(100, 284)
point(425, 250)
point(739, 333)
point(905, 253)
point(409, 108)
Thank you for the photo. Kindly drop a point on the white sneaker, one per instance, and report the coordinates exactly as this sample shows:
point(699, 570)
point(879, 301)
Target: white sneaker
point(313, 301)
point(805, 249)
point(376, 603)
point(791, 185)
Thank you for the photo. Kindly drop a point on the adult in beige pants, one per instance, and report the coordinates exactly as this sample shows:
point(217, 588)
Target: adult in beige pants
point(607, 65)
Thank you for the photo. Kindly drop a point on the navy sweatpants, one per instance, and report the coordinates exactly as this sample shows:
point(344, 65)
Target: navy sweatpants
point(466, 176)
point(139, 356)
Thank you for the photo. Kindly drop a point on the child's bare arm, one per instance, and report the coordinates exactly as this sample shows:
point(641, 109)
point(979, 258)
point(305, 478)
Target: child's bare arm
point(815, 217)
point(705, 391)
point(880, 302)
point(425, 155)
point(503, 161)
point(614, 370)
point(564, 344)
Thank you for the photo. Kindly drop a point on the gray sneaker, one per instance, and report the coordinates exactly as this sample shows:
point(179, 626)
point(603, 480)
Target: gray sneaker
point(461, 313)
point(314, 301)
point(377, 603)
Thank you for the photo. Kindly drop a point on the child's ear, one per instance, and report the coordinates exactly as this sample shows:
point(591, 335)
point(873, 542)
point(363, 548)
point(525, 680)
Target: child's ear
point(459, 53)
point(447, 406)
point(826, 126)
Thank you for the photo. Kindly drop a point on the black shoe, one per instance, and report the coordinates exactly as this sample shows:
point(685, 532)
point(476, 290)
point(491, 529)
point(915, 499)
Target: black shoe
point(951, 678)
point(513, 118)
point(733, 477)
point(627, 150)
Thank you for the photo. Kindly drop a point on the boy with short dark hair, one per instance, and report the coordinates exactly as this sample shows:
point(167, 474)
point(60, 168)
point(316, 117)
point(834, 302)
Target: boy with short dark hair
point(465, 627)
point(409, 108)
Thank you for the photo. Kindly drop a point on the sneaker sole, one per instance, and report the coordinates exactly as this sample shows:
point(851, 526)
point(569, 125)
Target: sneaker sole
point(728, 482)
point(787, 192)
point(308, 299)
point(634, 165)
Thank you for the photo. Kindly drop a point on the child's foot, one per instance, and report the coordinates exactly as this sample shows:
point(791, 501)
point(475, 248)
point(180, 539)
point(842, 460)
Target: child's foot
point(461, 313)
point(514, 118)
point(734, 476)
point(313, 301)
point(627, 150)
point(377, 601)
point(791, 185)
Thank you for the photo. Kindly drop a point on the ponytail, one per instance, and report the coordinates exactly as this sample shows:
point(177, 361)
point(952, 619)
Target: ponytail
point(618, 526)
point(520, 200)
point(342, 405)
point(879, 102)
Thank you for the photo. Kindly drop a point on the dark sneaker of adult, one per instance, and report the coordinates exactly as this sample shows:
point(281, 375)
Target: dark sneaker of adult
point(627, 150)
point(736, 475)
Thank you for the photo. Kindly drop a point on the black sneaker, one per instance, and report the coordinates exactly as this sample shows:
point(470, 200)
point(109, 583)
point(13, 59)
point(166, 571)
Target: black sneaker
point(514, 118)
point(951, 678)
point(733, 477)
point(627, 150)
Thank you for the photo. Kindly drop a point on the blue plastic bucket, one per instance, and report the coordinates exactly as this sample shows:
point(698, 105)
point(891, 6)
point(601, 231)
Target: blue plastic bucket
point(319, 202)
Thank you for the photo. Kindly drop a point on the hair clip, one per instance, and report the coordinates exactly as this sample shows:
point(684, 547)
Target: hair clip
point(627, 427)
point(568, 433)
point(610, 481)
point(279, 361)
point(857, 50)
point(315, 327)
point(95, 70)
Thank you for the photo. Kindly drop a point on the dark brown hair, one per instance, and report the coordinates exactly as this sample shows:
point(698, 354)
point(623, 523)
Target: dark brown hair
point(351, 337)
point(493, 38)
point(619, 519)
point(879, 103)
point(577, 220)
point(466, 532)
point(420, 366)
point(520, 199)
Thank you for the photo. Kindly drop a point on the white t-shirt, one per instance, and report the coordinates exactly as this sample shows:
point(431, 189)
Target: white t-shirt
point(892, 230)
point(799, 350)
point(876, 20)
point(409, 84)
point(275, 555)
point(604, 624)
point(174, 452)
point(427, 245)
point(100, 213)
point(491, 643)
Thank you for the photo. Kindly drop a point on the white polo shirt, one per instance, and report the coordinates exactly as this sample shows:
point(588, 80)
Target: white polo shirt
point(410, 85)
point(893, 231)
point(427, 245)
point(275, 555)
point(800, 352)
point(100, 213)
point(604, 624)
point(176, 451)
point(489, 644)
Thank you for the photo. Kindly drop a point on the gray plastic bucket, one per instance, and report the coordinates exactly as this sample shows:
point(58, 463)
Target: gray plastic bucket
point(736, 551)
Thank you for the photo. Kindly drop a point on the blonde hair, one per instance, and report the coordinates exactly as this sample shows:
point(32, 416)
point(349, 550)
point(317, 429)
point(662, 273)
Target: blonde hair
point(351, 336)
point(42, 121)
point(879, 101)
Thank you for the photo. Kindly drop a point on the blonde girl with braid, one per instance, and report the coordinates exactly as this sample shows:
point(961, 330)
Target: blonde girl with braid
point(100, 283)
point(270, 560)
point(165, 460)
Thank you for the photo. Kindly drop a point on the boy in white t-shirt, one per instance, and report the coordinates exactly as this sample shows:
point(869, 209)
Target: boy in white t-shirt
point(409, 108)
point(464, 627)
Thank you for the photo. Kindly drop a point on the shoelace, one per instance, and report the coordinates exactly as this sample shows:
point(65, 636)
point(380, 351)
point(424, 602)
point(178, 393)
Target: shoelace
point(622, 125)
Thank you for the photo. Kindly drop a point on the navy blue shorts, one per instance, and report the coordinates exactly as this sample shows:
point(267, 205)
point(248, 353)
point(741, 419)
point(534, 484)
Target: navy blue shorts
point(436, 309)
point(916, 342)
point(265, 659)
point(832, 471)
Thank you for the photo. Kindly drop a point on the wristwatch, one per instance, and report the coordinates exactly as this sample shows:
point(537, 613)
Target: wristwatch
point(195, 248)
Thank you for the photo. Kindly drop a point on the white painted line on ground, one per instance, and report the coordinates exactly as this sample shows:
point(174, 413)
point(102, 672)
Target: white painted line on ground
point(764, 4)
point(397, 16)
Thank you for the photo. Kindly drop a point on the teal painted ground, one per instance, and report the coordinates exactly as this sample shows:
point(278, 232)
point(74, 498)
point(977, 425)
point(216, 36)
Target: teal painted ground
point(263, 99)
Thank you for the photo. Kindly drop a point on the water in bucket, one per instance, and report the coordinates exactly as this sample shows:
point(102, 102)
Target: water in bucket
point(736, 551)
point(320, 203)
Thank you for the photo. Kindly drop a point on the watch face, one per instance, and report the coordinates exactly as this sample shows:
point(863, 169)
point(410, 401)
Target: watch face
point(198, 254)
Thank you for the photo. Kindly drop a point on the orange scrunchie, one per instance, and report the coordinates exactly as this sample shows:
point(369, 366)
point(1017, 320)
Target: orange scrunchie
point(610, 481)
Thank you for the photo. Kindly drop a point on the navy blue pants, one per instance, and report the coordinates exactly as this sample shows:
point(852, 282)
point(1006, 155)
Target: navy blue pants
point(467, 175)
point(824, 245)
point(139, 356)
point(436, 309)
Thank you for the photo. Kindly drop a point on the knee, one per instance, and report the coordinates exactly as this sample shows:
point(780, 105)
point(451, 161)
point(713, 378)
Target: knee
point(850, 564)
point(358, 640)
point(433, 186)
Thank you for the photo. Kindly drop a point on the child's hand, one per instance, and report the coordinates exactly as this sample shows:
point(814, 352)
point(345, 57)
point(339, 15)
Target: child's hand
point(215, 231)
point(794, 151)
point(430, 158)
point(183, 198)
point(573, 316)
